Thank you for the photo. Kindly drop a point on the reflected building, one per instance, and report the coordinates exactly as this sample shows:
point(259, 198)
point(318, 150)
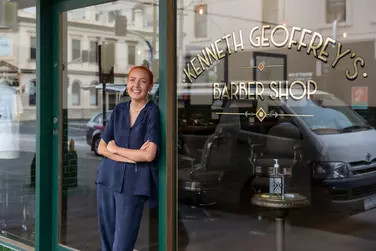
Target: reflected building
point(350, 23)
point(88, 28)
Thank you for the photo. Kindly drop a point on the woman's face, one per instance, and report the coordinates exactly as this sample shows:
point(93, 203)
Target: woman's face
point(139, 84)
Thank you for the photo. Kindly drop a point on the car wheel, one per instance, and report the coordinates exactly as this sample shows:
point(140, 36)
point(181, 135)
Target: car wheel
point(96, 145)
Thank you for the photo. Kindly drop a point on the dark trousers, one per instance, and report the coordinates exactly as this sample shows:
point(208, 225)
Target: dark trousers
point(119, 218)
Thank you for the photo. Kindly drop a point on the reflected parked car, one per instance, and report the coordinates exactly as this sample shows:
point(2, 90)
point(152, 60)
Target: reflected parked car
point(95, 127)
point(325, 150)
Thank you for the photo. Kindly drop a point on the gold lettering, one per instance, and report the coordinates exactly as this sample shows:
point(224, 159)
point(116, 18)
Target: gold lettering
point(316, 47)
point(291, 88)
point(216, 91)
point(260, 91)
point(198, 70)
point(203, 59)
point(212, 54)
point(257, 37)
point(292, 41)
point(228, 43)
point(309, 92)
point(340, 55)
point(280, 45)
point(301, 43)
point(250, 93)
point(241, 45)
point(234, 90)
point(225, 92)
point(323, 52)
point(264, 40)
point(273, 85)
point(189, 74)
point(242, 91)
point(220, 56)
point(355, 64)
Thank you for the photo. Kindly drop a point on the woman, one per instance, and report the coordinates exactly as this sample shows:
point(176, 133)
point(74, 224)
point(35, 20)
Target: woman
point(127, 176)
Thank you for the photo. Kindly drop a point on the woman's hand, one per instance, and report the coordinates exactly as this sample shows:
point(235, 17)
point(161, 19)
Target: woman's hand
point(112, 147)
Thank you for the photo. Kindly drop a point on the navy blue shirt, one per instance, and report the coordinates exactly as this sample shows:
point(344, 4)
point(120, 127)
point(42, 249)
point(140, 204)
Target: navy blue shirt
point(146, 127)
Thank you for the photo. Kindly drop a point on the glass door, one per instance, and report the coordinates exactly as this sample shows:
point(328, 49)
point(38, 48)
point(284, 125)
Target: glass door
point(98, 45)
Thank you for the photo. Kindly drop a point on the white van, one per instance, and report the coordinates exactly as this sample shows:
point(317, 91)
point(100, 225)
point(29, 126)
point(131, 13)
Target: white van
point(325, 149)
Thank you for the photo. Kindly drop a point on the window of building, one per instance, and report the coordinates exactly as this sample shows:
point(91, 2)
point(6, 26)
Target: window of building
point(270, 11)
point(112, 16)
point(76, 49)
point(32, 92)
point(93, 53)
point(33, 48)
point(335, 10)
point(98, 17)
point(131, 54)
point(93, 96)
point(76, 94)
point(201, 21)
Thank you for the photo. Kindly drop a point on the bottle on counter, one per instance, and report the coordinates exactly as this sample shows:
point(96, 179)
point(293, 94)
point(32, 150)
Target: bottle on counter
point(276, 181)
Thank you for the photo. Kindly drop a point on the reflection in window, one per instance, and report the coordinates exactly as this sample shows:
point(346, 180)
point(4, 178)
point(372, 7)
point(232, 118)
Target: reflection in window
point(93, 96)
point(76, 49)
point(131, 54)
point(93, 55)
point(33, 48)
point(201, 21)
point(328, 112)
point(270, 11)
point(335, 10)
point(33, 92)
point(112, 16)
point(76, 93)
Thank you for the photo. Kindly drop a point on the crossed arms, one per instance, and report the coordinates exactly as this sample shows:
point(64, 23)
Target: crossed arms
point(146, 153)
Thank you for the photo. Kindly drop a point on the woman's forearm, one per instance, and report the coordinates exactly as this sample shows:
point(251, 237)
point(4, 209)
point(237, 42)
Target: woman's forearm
point(118, 158)
point(135, 154)
point(102, 150)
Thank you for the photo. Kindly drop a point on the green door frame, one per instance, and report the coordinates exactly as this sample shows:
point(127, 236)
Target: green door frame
point(47, 161)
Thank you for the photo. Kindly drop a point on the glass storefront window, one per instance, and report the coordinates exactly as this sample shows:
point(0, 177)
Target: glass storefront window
point(244, 156)
point(18, 121)
point(98, 49)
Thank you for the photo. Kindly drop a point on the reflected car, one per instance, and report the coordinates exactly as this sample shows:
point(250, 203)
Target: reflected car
point(94, 129)
point(326, 151)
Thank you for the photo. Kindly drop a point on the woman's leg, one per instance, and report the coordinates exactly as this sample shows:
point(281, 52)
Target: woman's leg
point(129, 209)
point(106, 216)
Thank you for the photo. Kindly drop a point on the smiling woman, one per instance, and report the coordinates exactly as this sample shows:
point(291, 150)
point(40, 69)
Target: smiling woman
point(128, 171)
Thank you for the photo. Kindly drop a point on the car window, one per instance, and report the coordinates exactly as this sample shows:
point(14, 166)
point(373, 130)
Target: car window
point(98, 119)
point(328, 114)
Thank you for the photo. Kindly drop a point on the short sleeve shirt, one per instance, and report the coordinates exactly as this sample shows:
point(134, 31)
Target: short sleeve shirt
point(146, 127)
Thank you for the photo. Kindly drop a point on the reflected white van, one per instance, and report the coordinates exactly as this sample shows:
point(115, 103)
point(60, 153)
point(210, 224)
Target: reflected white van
point(326, 151)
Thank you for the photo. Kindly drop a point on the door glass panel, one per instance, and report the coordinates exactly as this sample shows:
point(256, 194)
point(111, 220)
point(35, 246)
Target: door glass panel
point(92, 84)
point(324, 143)
point(18, 121)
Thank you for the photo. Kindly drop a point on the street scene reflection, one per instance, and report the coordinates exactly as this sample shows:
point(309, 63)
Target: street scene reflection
point(99, 45)
point(263, 173)
point(17, 122)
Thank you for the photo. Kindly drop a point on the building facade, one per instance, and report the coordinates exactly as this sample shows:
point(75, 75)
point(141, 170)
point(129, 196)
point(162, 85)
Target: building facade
point(87, 28)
